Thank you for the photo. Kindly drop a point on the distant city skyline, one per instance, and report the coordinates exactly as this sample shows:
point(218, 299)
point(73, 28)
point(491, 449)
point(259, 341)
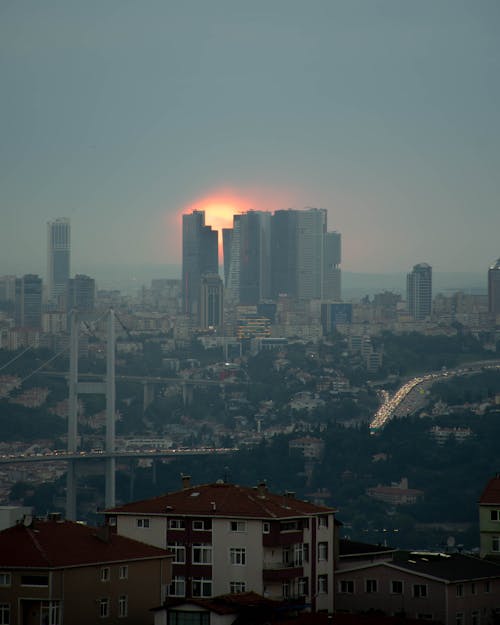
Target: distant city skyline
point(123, 116)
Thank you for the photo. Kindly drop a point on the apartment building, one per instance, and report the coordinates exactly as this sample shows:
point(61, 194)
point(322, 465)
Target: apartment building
point(231, 539)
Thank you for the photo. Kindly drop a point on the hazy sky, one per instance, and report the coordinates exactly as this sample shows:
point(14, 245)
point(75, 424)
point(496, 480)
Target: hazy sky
point(121, 114)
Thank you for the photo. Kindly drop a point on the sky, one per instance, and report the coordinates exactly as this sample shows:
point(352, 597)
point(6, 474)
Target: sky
point(121, 115)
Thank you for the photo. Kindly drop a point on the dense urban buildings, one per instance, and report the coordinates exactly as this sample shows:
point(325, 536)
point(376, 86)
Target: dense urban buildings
point(494, 288)
point(28, 302)
point(58, 259)
point(419, 291)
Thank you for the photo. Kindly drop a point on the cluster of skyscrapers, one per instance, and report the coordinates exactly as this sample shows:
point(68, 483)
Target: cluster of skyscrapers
point(288, 253)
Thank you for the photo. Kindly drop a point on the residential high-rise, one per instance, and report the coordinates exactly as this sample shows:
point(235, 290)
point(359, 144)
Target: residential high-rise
point(28, 304)
point(419, 291)
point(80, 293)
point(494, 288)
point(199, 256)
point(58, 258)
point(211, 302)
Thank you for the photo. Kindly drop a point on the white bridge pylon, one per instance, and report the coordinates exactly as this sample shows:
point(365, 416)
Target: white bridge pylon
point(105, 387)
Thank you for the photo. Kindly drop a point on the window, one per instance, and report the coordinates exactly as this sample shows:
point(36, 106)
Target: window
point(179, 551)
point(475, 618)
point(322, 551)
point(176, 524)
point(4, 613)
point(285, 590)
point(473, 589)
point(298, 554)
point(346, 586)
point(495, 515)
point(123, 572)
point(177, 587)
point(202, 554)
point(396, 587)
point(104, 608)
point(143, 524)
point(371, 585)
point(266, 527)
point(202, 525)
point(323, 521)
point(122, 606)
point(459, 618)
point(460, 590)
point(50, 613)
point(236, 587)
point(420, 591)
point(238, 526)
point(487, 587)
point(495, 543)
point(322, 584)
point(34, 580)
point(289, 526)
point(182, 617)
point(112, 521)
point(237, 556)
point(5, 579)
point(202, 587)
point(104, 574)
point(303, 586)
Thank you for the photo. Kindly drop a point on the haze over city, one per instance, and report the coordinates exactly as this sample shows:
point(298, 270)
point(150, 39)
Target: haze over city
point(122, 116)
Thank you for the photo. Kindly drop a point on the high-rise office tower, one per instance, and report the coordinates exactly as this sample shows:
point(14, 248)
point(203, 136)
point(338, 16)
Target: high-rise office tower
point(211, 302)
point(331, 266)
point(80, 294)
point(28, 304)
point(312, 225)
point(419, 291)
point(494, 288)
point(58, 258)
point(284, 234)
point(254, 260)
point(199, 256)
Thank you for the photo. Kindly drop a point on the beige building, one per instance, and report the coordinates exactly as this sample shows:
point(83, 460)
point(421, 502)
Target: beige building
point(232, 539)
point(489, 519)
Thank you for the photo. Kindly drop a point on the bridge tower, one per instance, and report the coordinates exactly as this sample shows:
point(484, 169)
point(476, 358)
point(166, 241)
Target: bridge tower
point(107, 388)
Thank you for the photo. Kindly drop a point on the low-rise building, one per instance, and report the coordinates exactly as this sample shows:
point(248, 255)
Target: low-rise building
point(489, 519)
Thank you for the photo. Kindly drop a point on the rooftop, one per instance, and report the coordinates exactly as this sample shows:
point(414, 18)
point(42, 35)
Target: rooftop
point(491, 494)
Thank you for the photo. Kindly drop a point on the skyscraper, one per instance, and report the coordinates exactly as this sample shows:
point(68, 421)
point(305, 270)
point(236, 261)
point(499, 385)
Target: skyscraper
point(199, 256)
point(211, 301)
point(254, 260)
point(331, 266)
point(28, 305)
point(80, 294)
point(58, 258)
point(419, 291)
point(494, 288)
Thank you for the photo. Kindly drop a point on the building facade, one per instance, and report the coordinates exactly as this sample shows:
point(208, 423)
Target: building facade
point(419, 291)
point(80, 294)
point(232, 539)
point(489, 519)
point(28, 304)
point(58, 258)
point(494, 288)
point(211, 302)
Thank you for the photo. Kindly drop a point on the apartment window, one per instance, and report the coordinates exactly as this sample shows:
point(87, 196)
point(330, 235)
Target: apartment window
point(238, 526)
point(179, 551)
point(495, 543)
point(298, 554)
point(420, 591)
point(323, 521)
point(322, 551)
point(182, 617)
point(4, 613)
point(122, 606)
point(177, 587)
point(236, 587)
point(5, 579)
point(266, 527)
point(487, 587)
point(123, 572)
point(475, 618)
point(202, 525)
point(495, 515)
point(202, 587)
point(473, 589)
point(289, 526)
point(285, 590)
point(460, 590)
point(237, 556)
point(176, 524)
point(34, 580)
point(143, 524)
point(105, 574)
point(303, 586)
point(396, 587)
point(371, 585)
point(346, 586)
point(322, 584)
point(459, 618)
point(112, 521)
point(202, 554)
point(104, 608)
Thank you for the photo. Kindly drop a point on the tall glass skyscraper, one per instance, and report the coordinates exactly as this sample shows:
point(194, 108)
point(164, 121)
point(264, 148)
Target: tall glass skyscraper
point(58, 258)
point(494, 288)
point(419, 291)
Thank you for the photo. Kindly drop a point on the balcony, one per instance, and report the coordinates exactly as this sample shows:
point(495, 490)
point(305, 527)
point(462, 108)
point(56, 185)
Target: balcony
point(280, 571)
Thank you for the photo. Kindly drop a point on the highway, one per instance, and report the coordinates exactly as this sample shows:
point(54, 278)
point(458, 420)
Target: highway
point(392, 406)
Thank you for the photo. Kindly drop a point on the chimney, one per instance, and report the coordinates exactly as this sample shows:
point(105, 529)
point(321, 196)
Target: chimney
point(103, 533)
point(262, 488)
point(186, 481)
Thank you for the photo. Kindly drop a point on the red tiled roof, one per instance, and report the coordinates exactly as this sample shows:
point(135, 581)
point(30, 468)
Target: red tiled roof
point(50, 544)
point(491, 494)
point(222, 500)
